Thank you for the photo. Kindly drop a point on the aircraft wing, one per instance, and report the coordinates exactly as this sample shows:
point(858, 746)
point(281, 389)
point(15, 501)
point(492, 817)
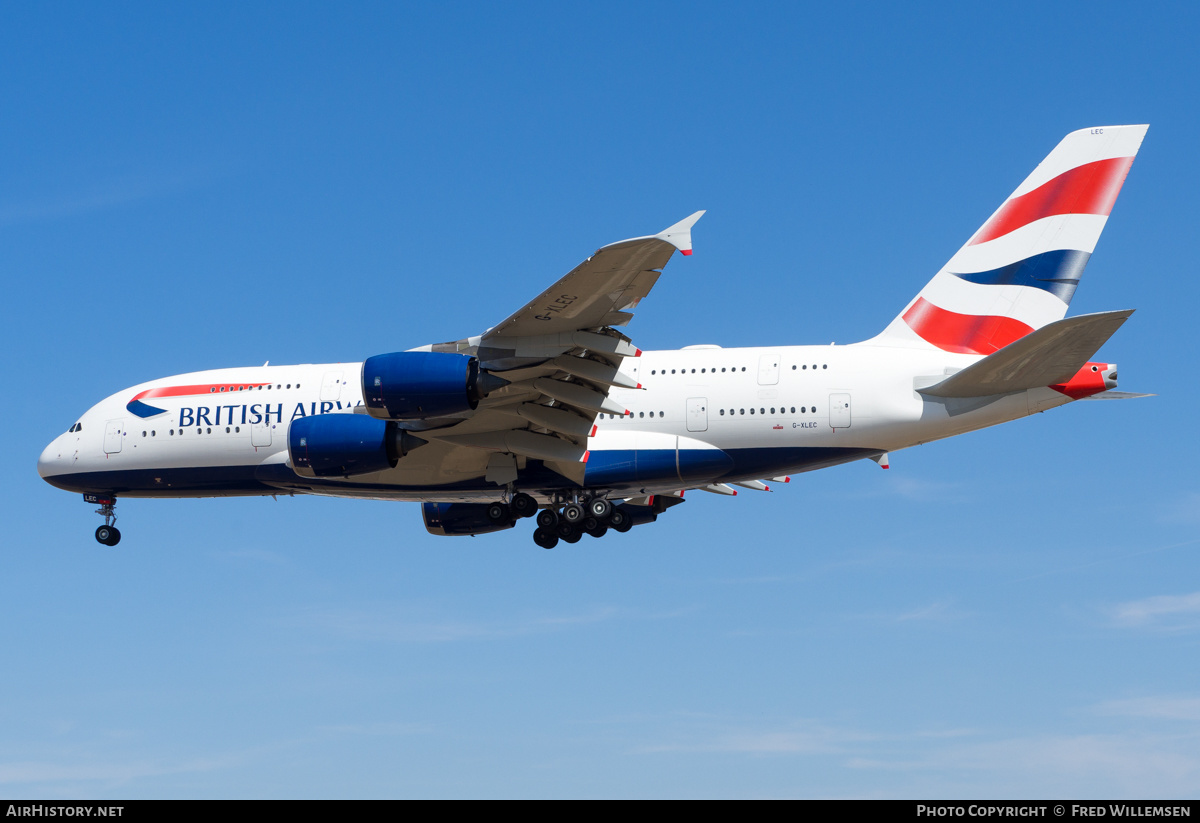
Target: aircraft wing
point(561, 357)
point(602, 290)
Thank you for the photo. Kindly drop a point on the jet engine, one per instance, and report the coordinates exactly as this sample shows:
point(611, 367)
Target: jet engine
point(343, 445)
point(457, 519)
point(417, 385)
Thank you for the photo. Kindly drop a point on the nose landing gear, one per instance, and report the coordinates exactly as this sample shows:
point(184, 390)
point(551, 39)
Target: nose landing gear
point(108, 534)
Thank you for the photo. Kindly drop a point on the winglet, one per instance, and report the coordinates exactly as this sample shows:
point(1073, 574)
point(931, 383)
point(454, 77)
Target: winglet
point(680, 235)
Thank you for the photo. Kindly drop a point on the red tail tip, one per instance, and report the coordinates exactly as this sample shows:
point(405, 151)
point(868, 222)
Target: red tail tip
point(686, 252)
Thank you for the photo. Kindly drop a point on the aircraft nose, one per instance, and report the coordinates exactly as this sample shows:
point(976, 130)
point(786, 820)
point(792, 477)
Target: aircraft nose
point(49, 459)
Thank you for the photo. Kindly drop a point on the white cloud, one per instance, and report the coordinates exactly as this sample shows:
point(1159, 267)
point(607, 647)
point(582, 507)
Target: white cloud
point(376, 729)
point(98, 197)
point(799, 738)
point(1168, 611)
point(1185, 508)
point(966, 762)
point(934, 611)
point(1166, 708)
point(390, 625)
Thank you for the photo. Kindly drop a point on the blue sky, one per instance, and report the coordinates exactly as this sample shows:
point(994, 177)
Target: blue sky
point(1014, 612)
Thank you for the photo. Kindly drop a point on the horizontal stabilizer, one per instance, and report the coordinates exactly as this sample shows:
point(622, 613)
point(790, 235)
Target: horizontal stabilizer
point(1117, 395)
point(1049, 355)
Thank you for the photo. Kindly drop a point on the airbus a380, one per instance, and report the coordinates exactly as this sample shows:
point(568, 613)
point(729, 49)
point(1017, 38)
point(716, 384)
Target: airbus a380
point(554, 414)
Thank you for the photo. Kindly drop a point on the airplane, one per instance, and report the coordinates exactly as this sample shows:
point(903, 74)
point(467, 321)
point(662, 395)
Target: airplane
point(556, 415)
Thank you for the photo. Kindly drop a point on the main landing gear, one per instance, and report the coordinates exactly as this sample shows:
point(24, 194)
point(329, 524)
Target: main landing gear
point(594, 517)
point(108, 534)
point(519, 505)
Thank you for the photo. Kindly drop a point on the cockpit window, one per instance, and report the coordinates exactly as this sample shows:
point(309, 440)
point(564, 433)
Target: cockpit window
point(78, 427)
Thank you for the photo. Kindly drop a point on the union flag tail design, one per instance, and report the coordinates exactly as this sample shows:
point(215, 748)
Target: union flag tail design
point(1019, 271)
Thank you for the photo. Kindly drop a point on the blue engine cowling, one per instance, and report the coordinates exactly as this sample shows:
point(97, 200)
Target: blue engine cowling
point(415, 385)
point(458, 519)
point(343, 445)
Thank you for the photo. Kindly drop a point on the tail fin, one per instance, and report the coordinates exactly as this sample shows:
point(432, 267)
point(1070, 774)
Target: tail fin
point(1019, 271)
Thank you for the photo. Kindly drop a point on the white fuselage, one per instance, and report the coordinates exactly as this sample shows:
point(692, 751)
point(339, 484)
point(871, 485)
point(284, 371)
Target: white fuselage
point(776, 410)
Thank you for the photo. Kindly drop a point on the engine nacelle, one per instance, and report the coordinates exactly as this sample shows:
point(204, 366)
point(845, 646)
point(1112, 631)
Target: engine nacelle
point(457, 519)
point(343, 445)
point(417, 385)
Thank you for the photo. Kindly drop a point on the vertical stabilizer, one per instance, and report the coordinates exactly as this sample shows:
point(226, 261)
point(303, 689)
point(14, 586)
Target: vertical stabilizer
point(1019, 271)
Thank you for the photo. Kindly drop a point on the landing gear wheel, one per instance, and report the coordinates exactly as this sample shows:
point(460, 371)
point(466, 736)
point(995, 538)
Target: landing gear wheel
point(546, 538)
point(590, 524)
point(108, 535)
point(522, 505)
point(574, 536)
point(547, 518)
point(573, 513)
point(564, 530)
point(599, 531)
point(600, 509)
point(620, 521)
point(498, 513)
